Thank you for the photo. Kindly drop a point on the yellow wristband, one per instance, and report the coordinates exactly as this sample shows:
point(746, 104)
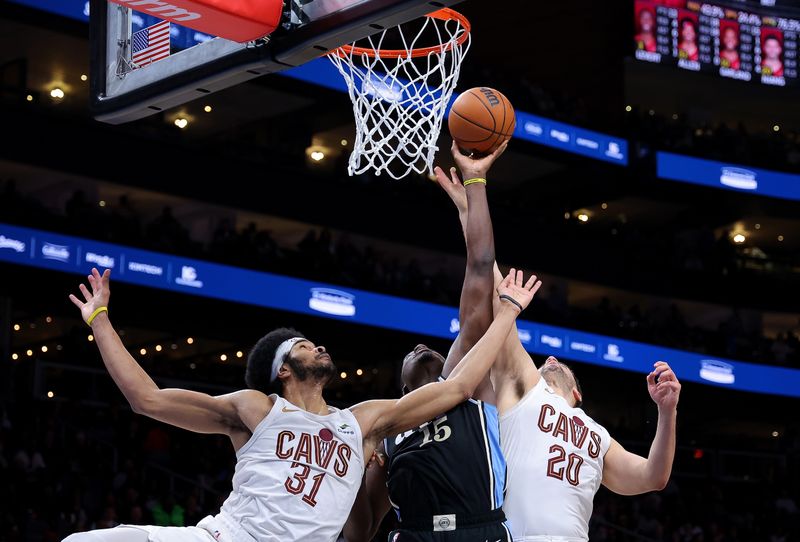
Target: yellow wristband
point(97, 311)
point(473, 181)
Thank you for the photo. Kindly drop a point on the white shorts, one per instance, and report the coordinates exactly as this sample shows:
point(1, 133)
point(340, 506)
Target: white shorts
point(207, 530)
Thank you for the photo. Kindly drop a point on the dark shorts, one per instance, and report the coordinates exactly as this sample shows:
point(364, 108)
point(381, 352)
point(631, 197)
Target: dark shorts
point(488, 532)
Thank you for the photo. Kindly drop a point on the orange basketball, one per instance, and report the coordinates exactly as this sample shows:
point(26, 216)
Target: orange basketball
point(481, 119)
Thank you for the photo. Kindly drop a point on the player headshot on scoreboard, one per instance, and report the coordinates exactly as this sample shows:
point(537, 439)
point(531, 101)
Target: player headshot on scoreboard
point(645, 27)
point(729, 45)
point(687, 37)
point(772, 52)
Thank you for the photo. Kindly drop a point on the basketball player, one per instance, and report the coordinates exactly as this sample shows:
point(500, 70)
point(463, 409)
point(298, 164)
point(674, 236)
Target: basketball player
point(299, 461)
point(446, 478)
point(557, 455)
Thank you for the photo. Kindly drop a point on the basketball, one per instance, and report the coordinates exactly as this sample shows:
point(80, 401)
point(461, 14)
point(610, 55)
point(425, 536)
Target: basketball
point(481, 119)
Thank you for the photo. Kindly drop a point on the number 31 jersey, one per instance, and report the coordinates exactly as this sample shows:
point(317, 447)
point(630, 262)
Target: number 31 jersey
point(296, 478)
point(451, 465)
point(555, 466)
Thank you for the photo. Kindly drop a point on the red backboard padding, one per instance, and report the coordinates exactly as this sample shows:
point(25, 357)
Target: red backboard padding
point(235, 20)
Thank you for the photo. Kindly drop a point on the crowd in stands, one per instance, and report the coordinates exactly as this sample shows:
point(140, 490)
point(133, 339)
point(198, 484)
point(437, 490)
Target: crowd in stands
point(321, 255)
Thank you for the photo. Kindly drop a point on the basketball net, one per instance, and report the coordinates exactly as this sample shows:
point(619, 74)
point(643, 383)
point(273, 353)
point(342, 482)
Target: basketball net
point(400, 95)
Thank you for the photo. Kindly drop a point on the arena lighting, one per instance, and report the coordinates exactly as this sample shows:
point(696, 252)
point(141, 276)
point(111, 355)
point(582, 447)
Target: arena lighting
point(84, 77)
point(359, 372)
point(143, 351)
point(780, 238)
point(343, 375)
point(158, 348)
point(223, 357)
point(239, 354)
point(628, 108)
point(181, 122)
point(758, 226)
point(583, 217)
point(44, 349)
point(317, 155)
point(207, 109)
point(50, 394)
point(776, 128)
point(361, 307)
point(29, 98)
point(739, 238)
point(49, 319)
point(57, 93)
point(16, 327)
point(775, 434)
point(101, 203)
point(15, 357)
point(29, 353)
point(90, 338)
point(189, 340)
point(566, 216)
point(604, 206)
point(344, 142)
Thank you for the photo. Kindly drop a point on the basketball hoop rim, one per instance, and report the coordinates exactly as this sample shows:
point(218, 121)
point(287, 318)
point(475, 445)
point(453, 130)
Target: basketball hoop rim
point(444, 14)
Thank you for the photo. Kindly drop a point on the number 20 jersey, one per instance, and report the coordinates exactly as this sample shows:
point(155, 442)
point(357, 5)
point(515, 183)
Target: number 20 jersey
point(296, 478)
point(450, 465)
point(555, 466)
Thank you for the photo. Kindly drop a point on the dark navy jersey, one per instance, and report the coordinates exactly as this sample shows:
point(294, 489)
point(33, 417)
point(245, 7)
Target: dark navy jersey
point(450, 465)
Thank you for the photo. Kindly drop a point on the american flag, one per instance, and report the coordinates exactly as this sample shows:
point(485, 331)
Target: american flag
point(150, 44)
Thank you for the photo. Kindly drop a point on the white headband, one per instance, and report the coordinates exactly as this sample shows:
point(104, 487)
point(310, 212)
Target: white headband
point(284, 348)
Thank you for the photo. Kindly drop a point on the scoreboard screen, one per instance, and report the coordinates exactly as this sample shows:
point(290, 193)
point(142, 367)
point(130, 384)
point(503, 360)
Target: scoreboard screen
point(736, 40)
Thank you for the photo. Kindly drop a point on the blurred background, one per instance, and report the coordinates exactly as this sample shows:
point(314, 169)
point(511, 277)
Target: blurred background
point(657, 196)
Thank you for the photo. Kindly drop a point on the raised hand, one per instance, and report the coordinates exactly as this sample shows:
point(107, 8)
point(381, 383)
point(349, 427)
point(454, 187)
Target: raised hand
point(453, 187)
point(663, 385)
point(95, 299)
point(512, 291)
point(472, 167)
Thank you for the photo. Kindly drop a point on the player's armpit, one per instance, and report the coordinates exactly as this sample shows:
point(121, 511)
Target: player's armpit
point(230, 414)
point(371, 505)
point(626, 473)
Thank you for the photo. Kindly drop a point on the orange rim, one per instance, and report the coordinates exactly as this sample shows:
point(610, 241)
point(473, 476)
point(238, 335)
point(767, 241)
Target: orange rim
point(444, 14)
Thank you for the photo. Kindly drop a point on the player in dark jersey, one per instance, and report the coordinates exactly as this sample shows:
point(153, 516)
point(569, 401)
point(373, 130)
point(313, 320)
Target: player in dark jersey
point(446, 479)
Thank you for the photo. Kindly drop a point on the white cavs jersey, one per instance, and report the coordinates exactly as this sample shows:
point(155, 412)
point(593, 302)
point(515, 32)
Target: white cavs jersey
point(296, 478)
point(555, 466)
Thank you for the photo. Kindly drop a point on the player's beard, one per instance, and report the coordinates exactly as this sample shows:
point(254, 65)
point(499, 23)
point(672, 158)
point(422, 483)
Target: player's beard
point(321, 371)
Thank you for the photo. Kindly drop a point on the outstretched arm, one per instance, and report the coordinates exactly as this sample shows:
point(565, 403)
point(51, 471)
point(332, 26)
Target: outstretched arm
point(514, 372)
point(475, 306)
point(629, 474)
point(190, 410)
point(379, 419)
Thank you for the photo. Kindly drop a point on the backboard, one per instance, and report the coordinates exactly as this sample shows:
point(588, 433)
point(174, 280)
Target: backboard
point(199, 64)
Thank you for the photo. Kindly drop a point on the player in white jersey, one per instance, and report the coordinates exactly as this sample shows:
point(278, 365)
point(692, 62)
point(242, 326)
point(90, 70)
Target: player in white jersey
point(556, 455)
point(299, 462)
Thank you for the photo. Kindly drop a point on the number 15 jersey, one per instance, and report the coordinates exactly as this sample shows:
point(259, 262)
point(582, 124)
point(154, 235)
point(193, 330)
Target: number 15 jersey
point(555, 466)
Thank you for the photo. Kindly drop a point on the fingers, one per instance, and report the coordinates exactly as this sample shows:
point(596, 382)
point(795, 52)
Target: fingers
point(536, 287)
point(651, 379)
point(106, 277)
point(454, 178)
point(75, 301)
point(85, 291)
point(531, 282)
point(499, 150)
point(520, 277)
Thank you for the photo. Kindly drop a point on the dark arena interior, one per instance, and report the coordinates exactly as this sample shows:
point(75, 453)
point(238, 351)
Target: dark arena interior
point(653, 185)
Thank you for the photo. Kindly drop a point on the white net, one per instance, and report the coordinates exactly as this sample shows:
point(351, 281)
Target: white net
point(400, 95)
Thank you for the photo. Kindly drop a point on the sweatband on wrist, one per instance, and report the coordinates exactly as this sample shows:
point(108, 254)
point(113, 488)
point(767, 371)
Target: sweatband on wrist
point(512, 300)
point(97, 311)
point(280, 354)
point(474, 180)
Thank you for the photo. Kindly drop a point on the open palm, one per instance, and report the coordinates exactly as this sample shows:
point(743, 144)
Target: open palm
point(95, 299)
point(513, 287)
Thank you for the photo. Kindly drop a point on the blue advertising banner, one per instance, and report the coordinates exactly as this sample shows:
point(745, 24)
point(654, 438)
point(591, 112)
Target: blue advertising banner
point(727, 176)
point(46, 250)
